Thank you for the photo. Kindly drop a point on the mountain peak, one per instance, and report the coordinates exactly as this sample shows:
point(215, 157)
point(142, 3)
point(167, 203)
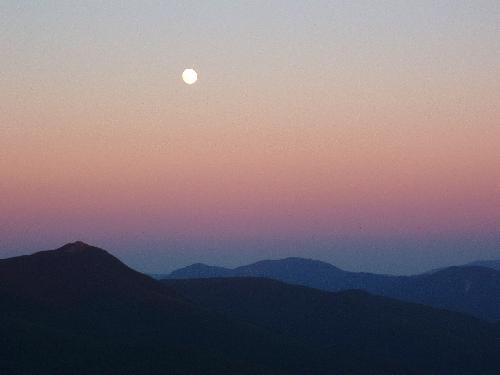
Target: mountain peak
point(77, 246)
point(79, 249)
point(74, 272)
point(286, 264)
point(200, 270)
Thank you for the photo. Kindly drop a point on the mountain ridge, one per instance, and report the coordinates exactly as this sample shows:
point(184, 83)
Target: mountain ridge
point(353, 319)
point(79, 296)
point(79, 306)
point(491, 263)
point(469, 289)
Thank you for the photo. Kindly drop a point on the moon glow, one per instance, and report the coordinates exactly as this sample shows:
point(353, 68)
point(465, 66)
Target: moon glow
point(189, 76)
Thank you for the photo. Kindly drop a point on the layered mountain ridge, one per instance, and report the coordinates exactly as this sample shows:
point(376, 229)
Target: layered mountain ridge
point(470, 289)
point(80, 310)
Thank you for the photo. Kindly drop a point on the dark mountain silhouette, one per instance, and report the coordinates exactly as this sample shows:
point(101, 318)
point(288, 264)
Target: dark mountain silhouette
point(79, 310)
point(429, 340)
point(495, 264)
point(472, 290)
point(76, 273)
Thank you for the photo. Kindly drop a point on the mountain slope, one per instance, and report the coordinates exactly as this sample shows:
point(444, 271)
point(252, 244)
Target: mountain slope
point(472, 290)
point(428, 340)
point(495, 264)
point(79, 310)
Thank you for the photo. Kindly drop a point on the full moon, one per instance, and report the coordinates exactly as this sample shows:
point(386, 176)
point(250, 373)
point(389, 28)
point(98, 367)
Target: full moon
point(189, 76)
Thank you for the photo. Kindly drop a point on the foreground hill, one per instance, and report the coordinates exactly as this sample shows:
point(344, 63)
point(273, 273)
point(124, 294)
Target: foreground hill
point(472, 290)
point(79, 310)
point(428, 340)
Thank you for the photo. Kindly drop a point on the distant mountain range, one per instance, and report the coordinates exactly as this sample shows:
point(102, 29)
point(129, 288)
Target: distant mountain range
point(79, 310)
point(470, 289)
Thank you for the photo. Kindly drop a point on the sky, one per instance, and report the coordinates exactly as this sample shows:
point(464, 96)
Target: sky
point(363, 133)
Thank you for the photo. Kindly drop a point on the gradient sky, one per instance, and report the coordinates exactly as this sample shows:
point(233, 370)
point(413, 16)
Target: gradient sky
point(364, 133)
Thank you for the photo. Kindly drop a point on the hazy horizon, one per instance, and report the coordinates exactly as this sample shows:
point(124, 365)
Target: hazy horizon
point(390, 256)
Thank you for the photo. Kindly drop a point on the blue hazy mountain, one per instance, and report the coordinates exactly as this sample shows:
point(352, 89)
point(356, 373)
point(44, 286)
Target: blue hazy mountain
point(469, 289)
